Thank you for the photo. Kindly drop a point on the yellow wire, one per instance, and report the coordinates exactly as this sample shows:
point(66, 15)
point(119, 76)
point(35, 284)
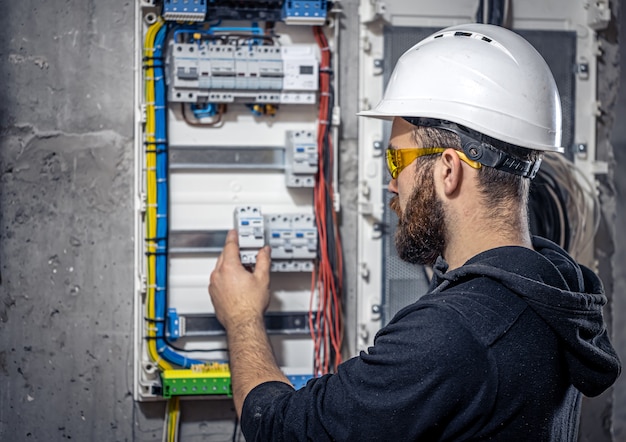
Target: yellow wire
point(173, 418)
point(151, 190)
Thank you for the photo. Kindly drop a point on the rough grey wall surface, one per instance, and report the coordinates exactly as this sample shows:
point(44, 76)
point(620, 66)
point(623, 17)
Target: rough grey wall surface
point(66, 217)
point(66, 220)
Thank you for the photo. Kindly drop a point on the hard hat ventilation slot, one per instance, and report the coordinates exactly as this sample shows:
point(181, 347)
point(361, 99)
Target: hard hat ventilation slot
point(488, 40)
point(462, 34)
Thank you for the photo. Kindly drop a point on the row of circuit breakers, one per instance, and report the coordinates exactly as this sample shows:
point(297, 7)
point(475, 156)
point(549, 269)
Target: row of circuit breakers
point(292, 238)
point(217, 68)
point(219, 72)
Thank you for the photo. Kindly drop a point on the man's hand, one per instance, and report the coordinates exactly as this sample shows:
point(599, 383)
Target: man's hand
point(237, 294)
point(240, 299)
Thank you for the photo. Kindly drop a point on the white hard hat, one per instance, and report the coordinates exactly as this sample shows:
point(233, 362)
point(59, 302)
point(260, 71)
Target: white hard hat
point(484, 77)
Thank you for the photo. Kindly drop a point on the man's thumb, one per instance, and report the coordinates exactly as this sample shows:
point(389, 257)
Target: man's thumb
point(263, 262)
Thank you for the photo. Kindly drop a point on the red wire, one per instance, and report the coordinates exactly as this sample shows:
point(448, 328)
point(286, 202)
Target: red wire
point(328, 332)
point(312, 326)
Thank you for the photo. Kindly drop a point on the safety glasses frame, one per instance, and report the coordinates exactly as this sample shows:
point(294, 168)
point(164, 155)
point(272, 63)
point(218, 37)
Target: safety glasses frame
point(399, 159)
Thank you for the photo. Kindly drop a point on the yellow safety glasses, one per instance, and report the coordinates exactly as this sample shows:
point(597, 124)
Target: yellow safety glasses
point(398, 159)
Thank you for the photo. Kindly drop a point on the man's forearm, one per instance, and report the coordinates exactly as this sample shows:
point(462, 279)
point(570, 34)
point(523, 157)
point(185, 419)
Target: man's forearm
point(252, 360)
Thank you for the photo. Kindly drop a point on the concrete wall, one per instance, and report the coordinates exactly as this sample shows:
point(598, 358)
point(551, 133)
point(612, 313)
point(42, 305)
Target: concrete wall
point(66, 245)
point(66, 220)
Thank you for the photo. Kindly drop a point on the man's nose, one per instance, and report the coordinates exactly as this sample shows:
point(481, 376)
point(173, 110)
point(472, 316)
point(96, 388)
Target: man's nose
point(393, 186)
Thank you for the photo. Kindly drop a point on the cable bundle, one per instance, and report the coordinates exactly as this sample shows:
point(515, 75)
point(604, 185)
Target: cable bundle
point(326, 323)
point(157, 200)
point(152, 64)
point(580, 202)
point(171, 422)
point(563, 205)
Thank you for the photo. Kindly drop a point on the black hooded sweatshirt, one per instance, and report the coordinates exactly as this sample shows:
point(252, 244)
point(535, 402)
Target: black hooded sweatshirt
point(500, 348)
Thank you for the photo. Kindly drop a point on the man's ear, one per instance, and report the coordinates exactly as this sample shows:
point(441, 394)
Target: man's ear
point(451, 172)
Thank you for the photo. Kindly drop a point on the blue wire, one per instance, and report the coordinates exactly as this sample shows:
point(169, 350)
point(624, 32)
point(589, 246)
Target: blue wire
point(182, 30)
point(160, 295)
point(254, 30)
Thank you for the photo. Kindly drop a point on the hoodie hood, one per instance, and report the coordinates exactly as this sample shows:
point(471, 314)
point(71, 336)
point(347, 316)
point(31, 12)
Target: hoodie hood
point(567, 296)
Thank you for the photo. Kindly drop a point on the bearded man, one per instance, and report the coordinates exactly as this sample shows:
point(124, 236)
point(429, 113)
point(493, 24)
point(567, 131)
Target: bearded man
point(510, 334)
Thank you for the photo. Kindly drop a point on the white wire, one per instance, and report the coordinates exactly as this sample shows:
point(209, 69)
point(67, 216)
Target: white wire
point(582, 205)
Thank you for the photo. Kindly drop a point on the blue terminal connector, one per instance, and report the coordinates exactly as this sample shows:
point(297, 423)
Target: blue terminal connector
point(306, 12)
point(184, 10)
point(299, 380)
point(173, 324)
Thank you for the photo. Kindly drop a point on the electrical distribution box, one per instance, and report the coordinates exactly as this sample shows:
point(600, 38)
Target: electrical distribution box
point(229, 99)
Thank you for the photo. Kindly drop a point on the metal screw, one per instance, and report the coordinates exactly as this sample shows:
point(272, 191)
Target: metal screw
point(583, 70)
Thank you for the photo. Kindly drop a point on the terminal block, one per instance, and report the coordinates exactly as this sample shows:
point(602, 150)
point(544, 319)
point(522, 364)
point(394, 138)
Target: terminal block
point(293, 240)
point(250, 224)
point(213, 379)
point(299, 380)
point(305, 12)
point(184, 10)
point(301, 159)
point(173, 324)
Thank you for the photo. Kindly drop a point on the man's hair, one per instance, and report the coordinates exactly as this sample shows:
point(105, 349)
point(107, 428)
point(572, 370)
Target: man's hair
point(498, 188)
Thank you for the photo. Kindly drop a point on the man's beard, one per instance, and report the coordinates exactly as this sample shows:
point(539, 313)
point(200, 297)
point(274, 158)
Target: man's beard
point(420, 236)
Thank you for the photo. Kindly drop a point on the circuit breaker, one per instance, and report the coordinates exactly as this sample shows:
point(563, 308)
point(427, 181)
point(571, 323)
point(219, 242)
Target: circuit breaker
point(301, 159)
point(234, 116)
point(250, 233)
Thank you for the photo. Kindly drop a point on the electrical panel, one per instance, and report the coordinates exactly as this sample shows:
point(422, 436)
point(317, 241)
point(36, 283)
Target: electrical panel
point(234, 117)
